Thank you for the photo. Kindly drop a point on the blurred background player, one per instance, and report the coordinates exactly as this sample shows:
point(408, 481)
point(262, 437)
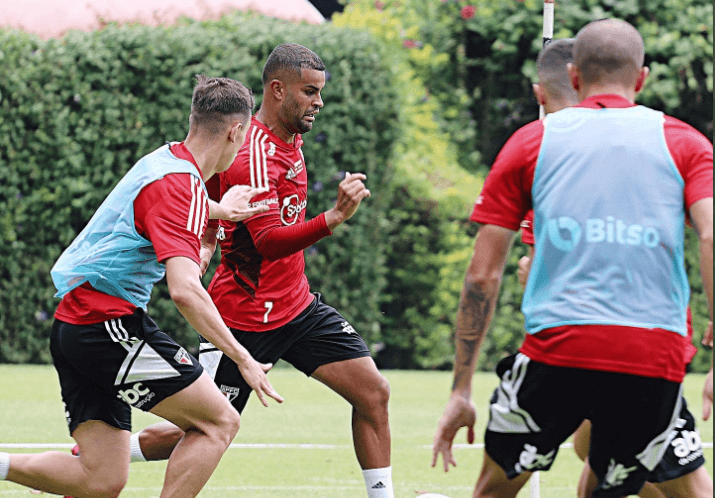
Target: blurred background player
point(605, 306)
point(681, 471)
point(108, 353)
point(260, 287)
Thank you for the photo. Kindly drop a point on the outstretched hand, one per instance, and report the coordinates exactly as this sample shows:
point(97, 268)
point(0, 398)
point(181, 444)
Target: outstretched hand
point(235, 204)
point(351, 192)
point(254, 374)
point(460, 412)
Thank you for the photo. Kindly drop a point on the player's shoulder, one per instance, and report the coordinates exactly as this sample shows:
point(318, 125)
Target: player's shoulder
point(675, 129)
point(533, 130)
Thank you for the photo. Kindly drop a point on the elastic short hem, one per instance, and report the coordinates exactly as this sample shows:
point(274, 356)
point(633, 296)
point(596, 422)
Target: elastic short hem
point(660, 477)
point(345, 357)
point(117, 425)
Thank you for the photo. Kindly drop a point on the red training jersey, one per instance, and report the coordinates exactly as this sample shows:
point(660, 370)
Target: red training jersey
point(260, 284)
point(174, 228)
point(505, 201)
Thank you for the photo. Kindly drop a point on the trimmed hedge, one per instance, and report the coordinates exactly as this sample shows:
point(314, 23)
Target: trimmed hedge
point(76, 113)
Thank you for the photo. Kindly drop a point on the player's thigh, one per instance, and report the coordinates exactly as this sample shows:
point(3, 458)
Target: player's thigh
point(357, 380)
point(582, 439)
point(199, 405)
point(631, 419)
point(533, 411)
point(695, 484)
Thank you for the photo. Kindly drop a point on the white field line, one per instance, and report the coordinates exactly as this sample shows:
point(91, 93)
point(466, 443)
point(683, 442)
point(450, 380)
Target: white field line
point(265, 446)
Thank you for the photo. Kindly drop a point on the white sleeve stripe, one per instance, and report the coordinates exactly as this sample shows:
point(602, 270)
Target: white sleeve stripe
point(264, 161)
point(192, 208)
point(259, 179)
point(251, 157)
point(204, 207)
point(199, 214)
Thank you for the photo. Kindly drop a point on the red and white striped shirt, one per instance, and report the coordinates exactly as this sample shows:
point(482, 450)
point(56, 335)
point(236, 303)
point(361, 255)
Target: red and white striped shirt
point(260, 284)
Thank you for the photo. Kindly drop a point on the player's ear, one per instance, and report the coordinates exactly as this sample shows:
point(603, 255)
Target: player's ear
point(235, 132)
point(642, 75)
point(573, 75)
point(277, 89)
point(539, 93)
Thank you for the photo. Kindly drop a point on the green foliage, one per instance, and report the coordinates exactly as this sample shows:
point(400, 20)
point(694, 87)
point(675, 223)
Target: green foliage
point(77, 112)
point(477, 58)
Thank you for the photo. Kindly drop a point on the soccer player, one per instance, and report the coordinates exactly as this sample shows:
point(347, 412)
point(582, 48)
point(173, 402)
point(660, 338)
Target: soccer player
point(681, 471)
point(610, 183)
point(109, 354)
point(260, 287)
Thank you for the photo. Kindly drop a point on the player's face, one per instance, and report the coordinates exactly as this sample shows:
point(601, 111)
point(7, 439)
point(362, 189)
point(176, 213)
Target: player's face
point(303, 101)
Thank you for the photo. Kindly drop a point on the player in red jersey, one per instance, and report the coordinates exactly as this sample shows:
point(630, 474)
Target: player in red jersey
point(626, 368)
point(681, 471)
point(260, 287)
point(109, 354)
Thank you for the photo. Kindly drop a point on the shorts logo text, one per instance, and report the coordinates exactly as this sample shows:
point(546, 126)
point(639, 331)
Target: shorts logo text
point(137, 396)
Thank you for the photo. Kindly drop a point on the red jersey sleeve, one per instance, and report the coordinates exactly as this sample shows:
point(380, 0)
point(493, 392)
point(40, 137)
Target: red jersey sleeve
point(506, 196)
point(693, 156)
point(173, 213)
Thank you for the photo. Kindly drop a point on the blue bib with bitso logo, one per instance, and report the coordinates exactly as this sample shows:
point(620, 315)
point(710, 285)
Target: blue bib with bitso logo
point(609, 223)
point(109, 253)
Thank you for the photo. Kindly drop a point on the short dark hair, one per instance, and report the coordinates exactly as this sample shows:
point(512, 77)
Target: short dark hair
point(217, 100)
point(290, 57)
point(551, 68)
point(609, 50)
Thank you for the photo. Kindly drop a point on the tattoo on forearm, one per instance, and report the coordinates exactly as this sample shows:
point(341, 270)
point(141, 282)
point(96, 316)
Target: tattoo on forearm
point(472, 321)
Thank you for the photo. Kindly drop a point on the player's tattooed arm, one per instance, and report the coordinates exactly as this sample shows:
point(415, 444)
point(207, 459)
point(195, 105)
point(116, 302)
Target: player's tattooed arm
point(478, 301)
point(475, 308)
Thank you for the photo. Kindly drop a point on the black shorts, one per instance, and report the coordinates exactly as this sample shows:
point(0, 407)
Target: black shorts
point(685, 451)
point(105, 368)
point(318, 336)
point(537, 407)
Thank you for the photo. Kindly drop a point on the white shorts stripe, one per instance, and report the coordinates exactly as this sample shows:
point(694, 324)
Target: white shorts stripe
point(653, 453)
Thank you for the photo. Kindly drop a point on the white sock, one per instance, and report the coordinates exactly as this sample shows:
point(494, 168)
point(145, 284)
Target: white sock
point(4, 465)
point(135, 451)
point(379, 483)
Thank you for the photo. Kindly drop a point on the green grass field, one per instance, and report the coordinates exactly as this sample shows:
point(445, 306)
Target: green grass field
point(31, 412)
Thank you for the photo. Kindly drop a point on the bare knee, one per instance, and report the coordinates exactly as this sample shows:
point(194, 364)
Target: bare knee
point(375, 398)
point(227, 425)
point(106, 486)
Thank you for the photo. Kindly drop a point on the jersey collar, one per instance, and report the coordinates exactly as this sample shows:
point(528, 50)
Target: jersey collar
point(606, 100)
point(297, 143)
point(180, 151)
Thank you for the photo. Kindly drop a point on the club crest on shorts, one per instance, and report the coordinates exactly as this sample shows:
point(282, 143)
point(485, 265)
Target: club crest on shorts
point(230, 392)
point(182, 357)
